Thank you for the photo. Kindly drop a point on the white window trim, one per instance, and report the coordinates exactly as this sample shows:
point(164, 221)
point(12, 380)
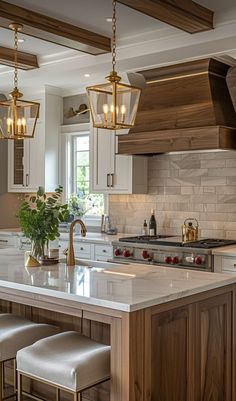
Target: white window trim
point(65, 176)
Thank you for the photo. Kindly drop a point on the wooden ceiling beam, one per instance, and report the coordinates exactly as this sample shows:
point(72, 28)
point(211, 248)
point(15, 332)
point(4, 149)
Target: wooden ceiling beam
point(186, 15)
point(52, 30)
point(25, 61)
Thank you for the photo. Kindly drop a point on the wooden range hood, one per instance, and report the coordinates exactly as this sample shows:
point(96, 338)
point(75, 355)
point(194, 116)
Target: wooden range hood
point(183, 107)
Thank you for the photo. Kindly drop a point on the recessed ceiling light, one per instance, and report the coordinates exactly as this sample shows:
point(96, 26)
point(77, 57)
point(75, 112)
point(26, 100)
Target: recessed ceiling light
point(21, 40)
point(87, 75)
point(109, 19)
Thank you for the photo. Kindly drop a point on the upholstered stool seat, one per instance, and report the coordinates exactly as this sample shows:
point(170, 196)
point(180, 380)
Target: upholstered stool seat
point(67, 361)
point(17, 333)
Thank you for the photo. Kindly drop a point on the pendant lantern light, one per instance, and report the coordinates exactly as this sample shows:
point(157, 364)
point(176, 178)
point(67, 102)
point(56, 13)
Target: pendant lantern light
point(18, 117)
point(114, 104)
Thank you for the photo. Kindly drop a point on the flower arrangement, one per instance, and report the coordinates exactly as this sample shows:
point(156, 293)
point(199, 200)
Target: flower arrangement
point(39, 217)
point(79, 204)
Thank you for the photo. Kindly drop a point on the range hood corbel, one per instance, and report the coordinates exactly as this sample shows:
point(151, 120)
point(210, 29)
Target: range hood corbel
point(183, 107)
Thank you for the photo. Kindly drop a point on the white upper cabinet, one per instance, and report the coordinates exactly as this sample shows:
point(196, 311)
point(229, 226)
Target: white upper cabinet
point(111, 173)
point(34, 162)
point(25, 158)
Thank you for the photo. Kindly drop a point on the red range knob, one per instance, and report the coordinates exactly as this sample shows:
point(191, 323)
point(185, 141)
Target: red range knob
point(145, 255)
point(167, 259)
point(198, 260)
point(126, 253)
point(175, 260)
point(116, 252)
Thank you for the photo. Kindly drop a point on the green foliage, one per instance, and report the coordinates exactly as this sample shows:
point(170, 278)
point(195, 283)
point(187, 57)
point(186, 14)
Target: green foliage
point(39, 216)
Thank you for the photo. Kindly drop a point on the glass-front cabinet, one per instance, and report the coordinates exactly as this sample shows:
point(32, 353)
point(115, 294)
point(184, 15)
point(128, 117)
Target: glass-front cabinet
point(18, 162)
point(34, 162)
point(26, 163)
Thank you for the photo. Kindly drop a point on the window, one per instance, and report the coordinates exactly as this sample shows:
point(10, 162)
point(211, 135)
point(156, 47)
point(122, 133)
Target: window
point(78, 175)
point(81, 164)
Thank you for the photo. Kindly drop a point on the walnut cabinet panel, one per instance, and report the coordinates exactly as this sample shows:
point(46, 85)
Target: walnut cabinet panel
point(190, 357)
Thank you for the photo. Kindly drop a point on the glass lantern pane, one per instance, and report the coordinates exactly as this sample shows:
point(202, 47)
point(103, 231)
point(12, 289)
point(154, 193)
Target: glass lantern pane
point(3, 118)
point(127, 104)
point(100, 98)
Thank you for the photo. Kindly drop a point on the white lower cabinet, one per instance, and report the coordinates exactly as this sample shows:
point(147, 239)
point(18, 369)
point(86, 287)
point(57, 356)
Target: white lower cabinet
point(102, 252)
point(82, 250)
point(224, 264)
point(85, 250)
point(8, 241)
point(112, 173)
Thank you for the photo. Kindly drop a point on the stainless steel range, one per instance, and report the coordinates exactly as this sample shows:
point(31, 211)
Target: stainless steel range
point(168, 251)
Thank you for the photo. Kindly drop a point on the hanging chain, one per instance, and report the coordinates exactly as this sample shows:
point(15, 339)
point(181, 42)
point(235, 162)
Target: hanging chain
point(15, 57)
point(114, 36)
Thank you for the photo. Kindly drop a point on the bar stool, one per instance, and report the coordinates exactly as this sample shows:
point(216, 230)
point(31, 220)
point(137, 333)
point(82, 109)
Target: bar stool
point(17, 333)
point(67, 361)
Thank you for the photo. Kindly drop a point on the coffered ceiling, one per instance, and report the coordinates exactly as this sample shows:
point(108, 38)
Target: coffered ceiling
point(142, 42)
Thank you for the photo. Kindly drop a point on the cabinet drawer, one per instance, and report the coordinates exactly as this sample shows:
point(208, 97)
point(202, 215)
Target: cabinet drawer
point(82, 250)
point(103, 252)
point(7, 241)
point(229, 263)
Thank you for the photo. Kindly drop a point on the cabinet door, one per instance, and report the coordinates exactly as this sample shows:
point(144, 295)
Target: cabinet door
point(17, 151)
point(26, 169)
point(121, 170)
point(100, 160)
point(109, 173)
point(103, 252)
point(169, 349)
point(214, 345)
point(112, 173)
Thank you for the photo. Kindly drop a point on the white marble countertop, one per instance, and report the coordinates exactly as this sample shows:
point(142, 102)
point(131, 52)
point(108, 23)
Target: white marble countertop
point(229, 250)
point(122, 287)
point(100, 238)
point(93, 238)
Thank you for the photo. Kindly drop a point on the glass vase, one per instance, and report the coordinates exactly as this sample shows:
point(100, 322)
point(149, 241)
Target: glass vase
point(38, 249)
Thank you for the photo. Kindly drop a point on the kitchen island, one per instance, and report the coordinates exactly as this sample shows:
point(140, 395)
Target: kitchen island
point(172, 331)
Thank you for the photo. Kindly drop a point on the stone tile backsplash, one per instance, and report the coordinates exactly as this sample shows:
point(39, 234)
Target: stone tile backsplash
point(200, 185)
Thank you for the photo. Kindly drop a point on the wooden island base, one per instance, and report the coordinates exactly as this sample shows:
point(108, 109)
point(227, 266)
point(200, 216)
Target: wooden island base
point(182, 350)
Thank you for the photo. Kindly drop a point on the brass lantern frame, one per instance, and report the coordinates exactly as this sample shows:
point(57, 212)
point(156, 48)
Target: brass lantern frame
point(115, 84)
point(113, 89)
point(16, 127)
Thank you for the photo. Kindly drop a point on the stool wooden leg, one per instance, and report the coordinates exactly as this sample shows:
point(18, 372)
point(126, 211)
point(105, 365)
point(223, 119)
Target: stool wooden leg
point(1, 381)
point(19, 386)
point(57, 394)
point(3, 378)
point(15, 375)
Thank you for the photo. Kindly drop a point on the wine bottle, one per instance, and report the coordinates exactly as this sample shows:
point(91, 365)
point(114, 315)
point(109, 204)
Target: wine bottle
point(144, 228)
point(152, 225)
